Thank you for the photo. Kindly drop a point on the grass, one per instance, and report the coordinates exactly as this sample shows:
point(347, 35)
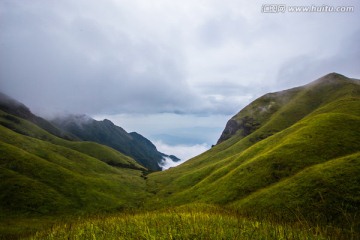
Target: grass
point(21, 227)
point(334, 197)
point(46, 176)
point(187, 222)
point(101, 152)
point(39, 177)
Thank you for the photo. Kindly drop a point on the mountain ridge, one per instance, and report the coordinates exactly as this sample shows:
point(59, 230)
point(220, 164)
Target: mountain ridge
point(82, 127)
point(42, 174)
point(107, 133)
point(247, 120)
point(14, 107)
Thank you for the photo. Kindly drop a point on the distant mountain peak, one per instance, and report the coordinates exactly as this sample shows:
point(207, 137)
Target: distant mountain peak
point(330, 78)
point(79, 117)
point(108, 122)
point(72, 119)
point(13, 105)
point(107, 133)
point(332, 75)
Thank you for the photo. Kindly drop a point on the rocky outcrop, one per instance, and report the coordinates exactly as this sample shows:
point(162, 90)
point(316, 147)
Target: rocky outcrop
point(244, 126)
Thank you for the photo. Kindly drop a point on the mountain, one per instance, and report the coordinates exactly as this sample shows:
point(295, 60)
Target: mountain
point(42, 174)
point(290, 154)
point(289, 158)
point(12, 106)
point(276, 111)
point(82, 127)
point(106, 133)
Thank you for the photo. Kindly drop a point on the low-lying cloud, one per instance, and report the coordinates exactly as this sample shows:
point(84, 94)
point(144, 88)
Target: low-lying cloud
point(184, 152)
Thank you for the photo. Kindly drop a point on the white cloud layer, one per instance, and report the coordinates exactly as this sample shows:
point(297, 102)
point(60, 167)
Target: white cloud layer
point(184, 152)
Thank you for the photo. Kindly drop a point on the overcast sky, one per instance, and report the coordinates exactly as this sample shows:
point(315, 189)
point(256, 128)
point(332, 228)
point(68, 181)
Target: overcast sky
point(174, 71)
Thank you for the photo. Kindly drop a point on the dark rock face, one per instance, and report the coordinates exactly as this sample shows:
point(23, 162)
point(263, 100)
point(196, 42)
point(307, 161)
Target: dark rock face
point(174, 158)
point(230, 129)
point(246, 125)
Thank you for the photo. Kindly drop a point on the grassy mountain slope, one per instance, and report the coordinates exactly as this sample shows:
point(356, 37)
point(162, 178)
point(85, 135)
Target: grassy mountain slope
point(326, 192)
point(84, 128)
point(274, 112)
point(107, 133)
point(18, 109)
point(43, 174)
point(291, 132)
point(101, 152)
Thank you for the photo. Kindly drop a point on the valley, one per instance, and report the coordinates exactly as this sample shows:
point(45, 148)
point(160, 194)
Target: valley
point(287, 166)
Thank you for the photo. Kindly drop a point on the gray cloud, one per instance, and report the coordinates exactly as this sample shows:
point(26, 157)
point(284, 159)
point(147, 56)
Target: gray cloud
point(301, 69)
point(80, 64)
point(185, 57)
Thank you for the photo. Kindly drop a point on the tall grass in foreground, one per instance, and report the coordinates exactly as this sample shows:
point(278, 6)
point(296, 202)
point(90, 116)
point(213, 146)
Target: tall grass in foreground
point(182, 223)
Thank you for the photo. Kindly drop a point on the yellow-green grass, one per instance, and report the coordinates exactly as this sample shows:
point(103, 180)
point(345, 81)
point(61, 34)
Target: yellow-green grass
point(30, 166)
point(326, 193)
point(187, 222)
point(39, 178)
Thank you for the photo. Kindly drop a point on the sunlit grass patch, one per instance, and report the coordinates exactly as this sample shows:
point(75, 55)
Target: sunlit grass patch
point(180, 223)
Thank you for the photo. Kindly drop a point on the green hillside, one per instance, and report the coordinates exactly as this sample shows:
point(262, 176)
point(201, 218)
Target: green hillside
point(107, 133)
point(43, 174)
point(101, 152)
point(13, 107)
point(326, 192)
point(84, 128)
point(290, 136)
point(45, 178)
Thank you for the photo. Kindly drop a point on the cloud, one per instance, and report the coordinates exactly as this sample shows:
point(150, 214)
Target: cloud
point(188, 57)
point(302, 69)
point(85, 63)
point(184, 152)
